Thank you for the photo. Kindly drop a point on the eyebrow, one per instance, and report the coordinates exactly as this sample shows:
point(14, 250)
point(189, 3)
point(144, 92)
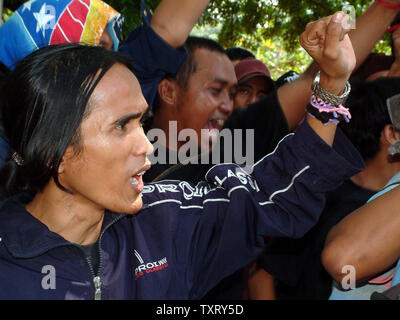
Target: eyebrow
point(222, 81)
point(245, 85)
point(125, 119)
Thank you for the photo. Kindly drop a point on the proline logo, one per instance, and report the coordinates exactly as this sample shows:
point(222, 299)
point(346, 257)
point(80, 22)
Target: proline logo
point(149, 267)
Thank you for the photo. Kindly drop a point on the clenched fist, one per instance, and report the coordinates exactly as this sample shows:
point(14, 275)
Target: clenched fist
point(327, 42)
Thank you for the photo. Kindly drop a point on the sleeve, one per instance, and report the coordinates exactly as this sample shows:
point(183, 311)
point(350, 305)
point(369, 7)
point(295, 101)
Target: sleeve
point(222, 229)
point(152, 58)
point(268, 121)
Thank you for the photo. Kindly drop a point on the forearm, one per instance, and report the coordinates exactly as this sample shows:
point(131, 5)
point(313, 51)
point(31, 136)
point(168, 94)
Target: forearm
point(294, 96)
point(368, 239)
point(174, 19)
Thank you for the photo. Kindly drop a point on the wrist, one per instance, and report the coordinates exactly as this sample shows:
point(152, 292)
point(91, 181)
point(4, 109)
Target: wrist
point(333, 85)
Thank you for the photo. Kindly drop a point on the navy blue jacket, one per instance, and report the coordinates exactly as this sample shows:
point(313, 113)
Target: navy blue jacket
point(186, 237)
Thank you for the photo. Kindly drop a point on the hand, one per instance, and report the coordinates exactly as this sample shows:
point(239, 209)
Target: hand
point(327, 42)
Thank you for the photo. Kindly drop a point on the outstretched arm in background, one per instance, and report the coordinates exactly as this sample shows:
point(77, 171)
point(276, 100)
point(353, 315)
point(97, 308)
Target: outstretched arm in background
point(156, 47)
point(174, 19)
point(368, 239)
point(395, 68)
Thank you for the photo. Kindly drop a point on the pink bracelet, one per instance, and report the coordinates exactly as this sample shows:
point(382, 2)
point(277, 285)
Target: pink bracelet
point(323, 106)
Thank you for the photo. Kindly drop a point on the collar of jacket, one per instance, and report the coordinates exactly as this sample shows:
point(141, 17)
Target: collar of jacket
point(27, 237)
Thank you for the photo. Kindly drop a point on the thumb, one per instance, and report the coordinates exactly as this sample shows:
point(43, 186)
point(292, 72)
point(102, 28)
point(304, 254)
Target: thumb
point(334, 33)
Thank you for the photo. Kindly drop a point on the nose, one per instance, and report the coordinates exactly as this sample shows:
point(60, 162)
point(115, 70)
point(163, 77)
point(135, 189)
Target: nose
point(149, 146)
point(253, 98)
point(226, 105)
point(143, 145)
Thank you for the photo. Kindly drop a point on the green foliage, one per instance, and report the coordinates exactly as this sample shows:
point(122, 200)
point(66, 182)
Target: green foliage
point(241, 19)
point(130, 9)
point(269, 28)
point(6, 14)
point(266, 19)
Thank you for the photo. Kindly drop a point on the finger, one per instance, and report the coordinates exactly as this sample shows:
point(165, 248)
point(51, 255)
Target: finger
point(312, 23)
point(346, 26)
point(334, 33)
point(316, 32)
point(346, 23)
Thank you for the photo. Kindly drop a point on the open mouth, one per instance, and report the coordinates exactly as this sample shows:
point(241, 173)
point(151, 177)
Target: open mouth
point(215, 124)
point(137, 181)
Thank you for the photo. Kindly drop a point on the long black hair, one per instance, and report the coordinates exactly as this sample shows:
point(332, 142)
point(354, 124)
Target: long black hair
point(44, 102)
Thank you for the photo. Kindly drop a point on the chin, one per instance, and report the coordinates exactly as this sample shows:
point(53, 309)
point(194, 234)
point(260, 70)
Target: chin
point(136, 206)
point(130, 208)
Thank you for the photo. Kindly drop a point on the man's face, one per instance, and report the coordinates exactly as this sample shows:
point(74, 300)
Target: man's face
point(106, 173)
point(251, 91)
point(208, 100)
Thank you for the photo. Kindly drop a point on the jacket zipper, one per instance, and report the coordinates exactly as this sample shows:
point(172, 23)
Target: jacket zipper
point(96, 278)
point(97, 288)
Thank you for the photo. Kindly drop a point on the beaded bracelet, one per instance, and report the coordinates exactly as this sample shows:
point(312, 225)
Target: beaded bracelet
point(326, 112)
point(328, 96)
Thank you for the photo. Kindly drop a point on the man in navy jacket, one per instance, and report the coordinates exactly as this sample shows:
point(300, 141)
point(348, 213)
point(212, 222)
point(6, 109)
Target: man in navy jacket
point(92, 229)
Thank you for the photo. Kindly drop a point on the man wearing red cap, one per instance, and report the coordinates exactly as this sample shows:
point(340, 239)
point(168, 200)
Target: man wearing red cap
point(254, 82)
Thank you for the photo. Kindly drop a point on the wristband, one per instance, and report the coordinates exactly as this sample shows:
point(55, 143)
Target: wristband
point(392, 6)
point(395, 27)
point(326, 112)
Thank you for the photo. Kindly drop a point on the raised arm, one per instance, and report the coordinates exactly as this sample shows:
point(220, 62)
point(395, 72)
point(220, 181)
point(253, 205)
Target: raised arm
point(174, 19)
point(368, 239)
point(370, 27)
point(328, 44)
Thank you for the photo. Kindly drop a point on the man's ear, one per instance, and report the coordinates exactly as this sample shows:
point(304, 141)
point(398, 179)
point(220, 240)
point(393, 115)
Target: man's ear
point(167, 91)
point(61, 167)
point(68, 156)
point(390, 134)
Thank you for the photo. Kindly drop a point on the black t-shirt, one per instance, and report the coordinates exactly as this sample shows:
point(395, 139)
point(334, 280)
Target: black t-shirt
point(296, 263)
point(92, 255)
point(265, 117)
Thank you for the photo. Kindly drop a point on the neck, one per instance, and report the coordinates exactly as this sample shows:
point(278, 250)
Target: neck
point(378, 171)
point(72, 218)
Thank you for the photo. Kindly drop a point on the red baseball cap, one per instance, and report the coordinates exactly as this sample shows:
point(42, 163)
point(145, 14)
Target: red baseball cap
point(249, 68)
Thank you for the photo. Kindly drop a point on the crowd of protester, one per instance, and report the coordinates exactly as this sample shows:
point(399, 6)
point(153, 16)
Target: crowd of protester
point(78, 112)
